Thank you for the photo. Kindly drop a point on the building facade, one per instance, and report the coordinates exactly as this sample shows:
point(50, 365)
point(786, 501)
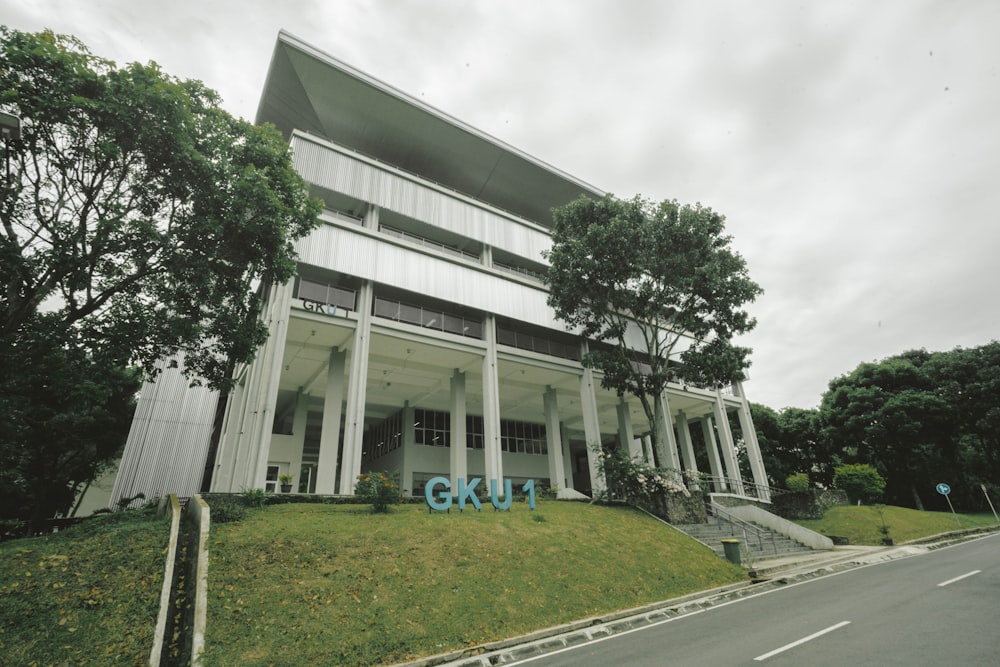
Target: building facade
point(416, 337)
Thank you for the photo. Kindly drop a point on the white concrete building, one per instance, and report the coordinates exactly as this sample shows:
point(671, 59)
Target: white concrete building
point(416, 336)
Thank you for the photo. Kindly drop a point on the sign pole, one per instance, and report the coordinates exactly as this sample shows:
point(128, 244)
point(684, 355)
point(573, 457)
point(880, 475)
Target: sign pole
point(945, 491)
point(983, 487)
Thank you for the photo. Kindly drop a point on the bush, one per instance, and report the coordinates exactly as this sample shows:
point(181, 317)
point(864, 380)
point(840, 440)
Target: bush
point(860, 481)
point(797, 482)
point(255, 498)
point(379, 489)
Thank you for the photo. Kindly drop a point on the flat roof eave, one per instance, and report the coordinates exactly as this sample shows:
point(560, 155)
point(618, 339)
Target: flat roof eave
point(312, 91)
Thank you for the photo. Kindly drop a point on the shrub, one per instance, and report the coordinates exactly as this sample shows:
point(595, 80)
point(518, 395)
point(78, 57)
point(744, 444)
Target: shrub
point(256, 498)
point(860, 481)
point(379, 489)
point(634, 480)
point(797, 482)
point(226, 509)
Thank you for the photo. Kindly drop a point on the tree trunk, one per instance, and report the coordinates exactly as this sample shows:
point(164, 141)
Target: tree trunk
point(919, 504)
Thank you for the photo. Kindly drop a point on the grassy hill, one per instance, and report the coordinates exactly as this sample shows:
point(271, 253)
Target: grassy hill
point(335, 584)
point(861, 524)
point(88, 595)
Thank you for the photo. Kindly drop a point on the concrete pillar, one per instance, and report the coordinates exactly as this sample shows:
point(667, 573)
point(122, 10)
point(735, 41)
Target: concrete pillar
point(712, 446)
point(687, 447)
point(553, 438)
point(666, 444)
point(647, 449)
point(329, 435)
point(591, 429)
point(354, 423)
point(225, 459)
point(567, 459)
point(626, 438)
point(268, 383)
point(753, 447)
point(459, 455)
point(406, 448)
point(370, 220)
point(729, 459)
point(492, 453)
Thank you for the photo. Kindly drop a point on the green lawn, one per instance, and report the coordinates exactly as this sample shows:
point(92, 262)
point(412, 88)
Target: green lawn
point(88, 595)
point(337, 585)
point(860, 524)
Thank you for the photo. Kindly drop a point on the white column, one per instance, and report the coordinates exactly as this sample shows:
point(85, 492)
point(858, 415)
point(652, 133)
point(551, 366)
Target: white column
point(591, 429)
point(712, 446)
point(553, 438)
point(491, 408)
point(626, 437)
point(687, 447)
point(666, 444)
point(354, 424)
point(726, 443)
point(567, 459)
point(459, 456)
point(753, 447)
point(406, 447)
point(329, 435)
point(229, 440)
point(269, 380)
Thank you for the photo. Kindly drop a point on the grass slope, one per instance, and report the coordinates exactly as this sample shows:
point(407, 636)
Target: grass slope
point(860, 524)
point(337, 585)
point(88, 595)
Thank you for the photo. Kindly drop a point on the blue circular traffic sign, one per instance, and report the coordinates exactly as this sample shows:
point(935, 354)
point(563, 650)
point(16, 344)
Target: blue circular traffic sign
point(943, 489)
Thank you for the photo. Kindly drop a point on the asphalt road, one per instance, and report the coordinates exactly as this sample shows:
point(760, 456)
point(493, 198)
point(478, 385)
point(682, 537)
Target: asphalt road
point(938, 608)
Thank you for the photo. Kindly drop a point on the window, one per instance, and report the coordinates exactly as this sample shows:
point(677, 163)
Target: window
point(271, 479)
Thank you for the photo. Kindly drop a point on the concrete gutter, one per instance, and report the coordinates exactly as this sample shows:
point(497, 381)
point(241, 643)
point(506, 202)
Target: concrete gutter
point(199, 515)
point(172, 505)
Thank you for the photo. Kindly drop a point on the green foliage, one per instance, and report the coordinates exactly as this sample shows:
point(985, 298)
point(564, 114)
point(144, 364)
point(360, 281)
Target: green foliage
point(860, 481)
point(378, 488)
point(635, 480)
point(354, 588)
point(863, 525)
point(140, 212)
point(798, 482)
point(255, 498)
point(665, 270)
point(225, 509)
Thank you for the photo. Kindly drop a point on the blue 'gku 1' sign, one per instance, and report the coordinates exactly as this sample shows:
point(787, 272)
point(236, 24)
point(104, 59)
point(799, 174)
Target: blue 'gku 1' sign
point(441, 499)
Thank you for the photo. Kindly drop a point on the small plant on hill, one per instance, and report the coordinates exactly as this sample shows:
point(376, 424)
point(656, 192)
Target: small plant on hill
point(379, 489)
point(860, 481)
point(797, 482)
point(255, 498)
point(884, 527)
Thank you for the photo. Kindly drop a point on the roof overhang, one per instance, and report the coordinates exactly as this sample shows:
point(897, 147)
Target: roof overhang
point(311, 91)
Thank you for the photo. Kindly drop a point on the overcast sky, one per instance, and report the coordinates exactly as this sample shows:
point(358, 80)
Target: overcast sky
point(854, 147)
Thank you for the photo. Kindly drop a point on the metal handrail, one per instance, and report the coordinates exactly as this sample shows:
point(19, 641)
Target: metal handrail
point(760, 491)
point(748, 528)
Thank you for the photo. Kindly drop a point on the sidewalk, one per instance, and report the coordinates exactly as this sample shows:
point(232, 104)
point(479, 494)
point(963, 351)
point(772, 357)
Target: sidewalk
point(770, 574)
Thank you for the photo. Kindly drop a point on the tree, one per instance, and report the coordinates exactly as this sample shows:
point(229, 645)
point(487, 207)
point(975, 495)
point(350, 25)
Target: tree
point(888, 414)
point(860, 481)
point(65, 418)
point(659, 290)
point(138, 220)
point(140, 216)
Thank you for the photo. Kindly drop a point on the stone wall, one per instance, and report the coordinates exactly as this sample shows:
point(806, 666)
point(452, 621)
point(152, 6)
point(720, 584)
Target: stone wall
point(676, 508)
point(809, 504)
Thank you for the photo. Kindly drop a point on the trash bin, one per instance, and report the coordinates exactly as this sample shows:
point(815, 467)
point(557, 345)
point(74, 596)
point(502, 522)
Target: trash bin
point(732, 549)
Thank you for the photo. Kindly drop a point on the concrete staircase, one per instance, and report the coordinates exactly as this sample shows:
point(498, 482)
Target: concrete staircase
point(761, 542)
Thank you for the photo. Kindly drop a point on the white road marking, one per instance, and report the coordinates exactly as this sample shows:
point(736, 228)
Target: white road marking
point(761, 658)
point(967, 574)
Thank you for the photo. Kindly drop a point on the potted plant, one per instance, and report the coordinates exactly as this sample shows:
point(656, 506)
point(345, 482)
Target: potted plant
point(286, 483)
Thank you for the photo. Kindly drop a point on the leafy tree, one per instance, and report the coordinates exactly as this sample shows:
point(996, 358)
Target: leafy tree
point(65, 416)
point(136, 212)
point(138, 220)
point(659, 289)
point(860, 481)
point(889, 415)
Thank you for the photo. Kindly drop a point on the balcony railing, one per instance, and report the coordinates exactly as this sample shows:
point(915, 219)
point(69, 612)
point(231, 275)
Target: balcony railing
point(329, 295)
point(430, 318)
point(523, 341)
point(427, 243)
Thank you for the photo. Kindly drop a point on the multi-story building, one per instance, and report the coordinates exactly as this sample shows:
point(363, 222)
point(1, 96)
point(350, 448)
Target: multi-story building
point(415, 337)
